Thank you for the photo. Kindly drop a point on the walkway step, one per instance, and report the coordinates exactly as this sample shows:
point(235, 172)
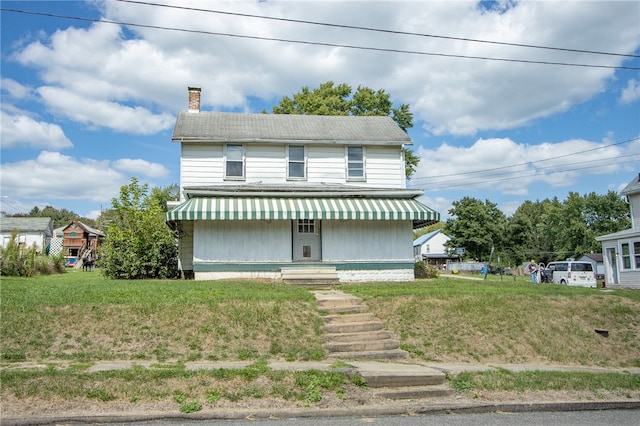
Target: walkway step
point(415, 392)
point(392, 354)
point(353, 327)
point(352, 332)
point(369, 345)
point(359, 336)
point(349, 318)
point(310, 275)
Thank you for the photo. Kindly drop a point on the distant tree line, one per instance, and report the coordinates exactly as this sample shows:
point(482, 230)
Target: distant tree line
point(541, 230)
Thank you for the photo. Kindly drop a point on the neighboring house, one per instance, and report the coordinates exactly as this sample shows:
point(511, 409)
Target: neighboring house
point(79, 240)
point(31, 230)
point(621, 250)
point(596, 261)
point(432, 248)
point(264, 193)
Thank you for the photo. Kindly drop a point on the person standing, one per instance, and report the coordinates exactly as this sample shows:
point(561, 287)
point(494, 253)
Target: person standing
point(532, 270)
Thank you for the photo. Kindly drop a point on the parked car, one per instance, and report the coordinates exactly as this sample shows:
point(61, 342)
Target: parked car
point(571, 273)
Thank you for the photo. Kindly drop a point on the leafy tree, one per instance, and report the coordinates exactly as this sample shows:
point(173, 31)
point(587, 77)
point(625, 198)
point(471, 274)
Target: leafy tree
point(430, 228)
point(478, 227)
point(138, 243)
point(330, 99)
point(61, 217)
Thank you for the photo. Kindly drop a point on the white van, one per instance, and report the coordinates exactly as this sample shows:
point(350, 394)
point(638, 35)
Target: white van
point(572, 273)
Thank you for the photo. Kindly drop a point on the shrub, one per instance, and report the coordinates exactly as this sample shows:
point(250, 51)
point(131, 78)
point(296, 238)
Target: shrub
point(20, 263)
point(422, 270)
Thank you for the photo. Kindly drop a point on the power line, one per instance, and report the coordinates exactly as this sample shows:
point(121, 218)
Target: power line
point(380, 30)
point(467, 182)
point(531, 162)
point(313, 43)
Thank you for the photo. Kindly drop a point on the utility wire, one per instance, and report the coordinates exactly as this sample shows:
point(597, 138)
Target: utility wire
point(467, 183)
point(312, 43)
point(379, 30)
point(532, 162)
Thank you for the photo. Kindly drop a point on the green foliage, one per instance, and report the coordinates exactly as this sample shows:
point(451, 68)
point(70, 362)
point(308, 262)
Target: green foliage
point(61, 217)
point(422, 270)
point(138, 243)
point(15, 261)
point(330, 99)
point(477, 226)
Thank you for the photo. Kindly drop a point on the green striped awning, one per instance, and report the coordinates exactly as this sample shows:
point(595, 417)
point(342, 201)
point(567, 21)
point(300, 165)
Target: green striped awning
point(274, 208)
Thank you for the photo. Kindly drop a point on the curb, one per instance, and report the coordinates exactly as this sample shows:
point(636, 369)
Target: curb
point(410, 409)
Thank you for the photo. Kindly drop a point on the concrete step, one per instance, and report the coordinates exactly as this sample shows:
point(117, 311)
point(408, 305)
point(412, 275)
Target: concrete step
point(312, 282)
point(368, 345)
point(310, 275)
point(392, 354)
point(343, 309)
point(358, 337)
point(349, 318)
point(384, 379)
point(415, 392)
point(354, 327)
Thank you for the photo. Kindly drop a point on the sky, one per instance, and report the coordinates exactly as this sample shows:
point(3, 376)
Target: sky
point(511, 101)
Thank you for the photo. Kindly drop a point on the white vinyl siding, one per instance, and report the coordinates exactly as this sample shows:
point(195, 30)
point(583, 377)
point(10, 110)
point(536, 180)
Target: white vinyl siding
point(203, 164)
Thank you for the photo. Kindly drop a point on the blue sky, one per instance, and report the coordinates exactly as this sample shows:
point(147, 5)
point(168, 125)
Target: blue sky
point(86, 106)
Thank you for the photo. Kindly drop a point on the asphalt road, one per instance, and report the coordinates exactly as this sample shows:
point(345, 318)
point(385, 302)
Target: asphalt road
point(563, 418)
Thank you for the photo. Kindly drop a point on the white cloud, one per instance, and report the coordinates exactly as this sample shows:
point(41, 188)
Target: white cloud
point(505, 166)
point(14, 89)
point(20, 131)
point(108, 73)
point(55, 176)
point(631, 93)
point(120, 118)
point(139, 167)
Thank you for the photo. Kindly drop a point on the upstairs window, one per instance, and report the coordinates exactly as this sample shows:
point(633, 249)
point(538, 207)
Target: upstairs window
point(355, 163)
point(626, 256)
point(234, 162)
point(297, 162)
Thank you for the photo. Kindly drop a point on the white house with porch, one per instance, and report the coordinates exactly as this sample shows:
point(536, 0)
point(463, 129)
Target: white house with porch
point(263, 195)
point(621, 250)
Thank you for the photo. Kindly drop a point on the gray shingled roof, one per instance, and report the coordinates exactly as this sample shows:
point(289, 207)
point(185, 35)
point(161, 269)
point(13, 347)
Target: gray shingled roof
point(26, 224)
point(279, 128)
point(633, 187)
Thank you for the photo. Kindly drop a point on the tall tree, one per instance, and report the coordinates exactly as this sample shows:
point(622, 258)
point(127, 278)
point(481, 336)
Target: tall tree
point(138, 243)
point(477, 226)
point(329, 99)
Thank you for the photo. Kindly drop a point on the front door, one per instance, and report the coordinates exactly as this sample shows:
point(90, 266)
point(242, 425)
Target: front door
point(612, 265)
point(306, 240)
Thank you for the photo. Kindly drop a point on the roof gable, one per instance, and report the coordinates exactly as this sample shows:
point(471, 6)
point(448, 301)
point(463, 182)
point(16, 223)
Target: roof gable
point(286, 128)
point(633, 187)
point(426, 237)
point(87, 228)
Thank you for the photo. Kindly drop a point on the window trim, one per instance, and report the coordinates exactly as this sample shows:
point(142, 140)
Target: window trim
point(304, 162)
point(226, 161)
point(349, 163)
point(625, 255)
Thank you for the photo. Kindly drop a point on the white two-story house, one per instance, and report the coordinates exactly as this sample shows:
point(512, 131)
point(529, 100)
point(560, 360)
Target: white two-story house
point(621, 250)
point(264, 193)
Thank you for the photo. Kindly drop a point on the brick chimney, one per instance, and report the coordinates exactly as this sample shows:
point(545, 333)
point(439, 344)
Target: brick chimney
point(194, 99)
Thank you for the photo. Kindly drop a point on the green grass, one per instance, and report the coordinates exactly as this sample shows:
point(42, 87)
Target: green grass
point(84, 317)
point(503, 380)
point(190, 390)
point(81, 317)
